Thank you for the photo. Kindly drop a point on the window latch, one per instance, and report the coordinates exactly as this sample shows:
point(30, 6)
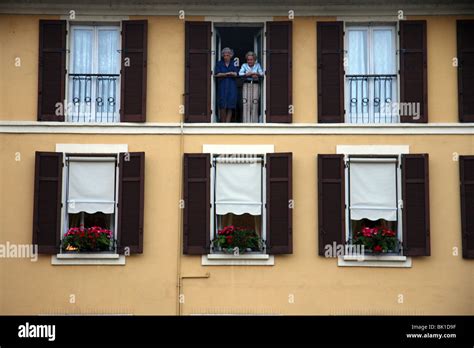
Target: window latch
point(400, 203)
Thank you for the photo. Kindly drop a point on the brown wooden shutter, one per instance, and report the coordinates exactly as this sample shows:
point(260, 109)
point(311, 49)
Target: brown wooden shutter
point(51, 69)
point(279, 211)
point(330, 72)
point(279, 72)
point(198, 72)
point(416, 207)
point(131, 202)
point(196, 212)
point(133, 71)
point(47, 201)
point(413, 69)
point(466, 164)
point(331, 201)
point(465, 43)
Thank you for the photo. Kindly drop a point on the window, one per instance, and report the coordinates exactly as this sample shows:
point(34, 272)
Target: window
point(466, 168)
point(373, 212)
point(252, 190)
point(238, 203)
point(270, 102)
point(90, 197)
point(104, 191)
point(386, 193)
point(241, 38)
point(371, 88)
point(94, 74)
point(87, 66)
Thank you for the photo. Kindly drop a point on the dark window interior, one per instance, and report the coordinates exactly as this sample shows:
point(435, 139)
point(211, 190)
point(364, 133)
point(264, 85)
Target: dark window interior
point(240, 39)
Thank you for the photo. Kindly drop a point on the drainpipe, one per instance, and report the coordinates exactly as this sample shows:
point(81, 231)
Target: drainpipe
point(179, 277)
point(181, 223)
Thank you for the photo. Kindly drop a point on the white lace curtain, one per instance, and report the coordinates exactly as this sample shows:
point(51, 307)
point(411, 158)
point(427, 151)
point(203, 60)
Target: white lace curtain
point(95, 51)
point(370, 51)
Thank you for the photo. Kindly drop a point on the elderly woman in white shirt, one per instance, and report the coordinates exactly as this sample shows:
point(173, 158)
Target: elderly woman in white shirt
point(251, 72)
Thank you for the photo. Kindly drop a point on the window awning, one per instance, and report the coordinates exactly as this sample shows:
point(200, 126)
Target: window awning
point(373, 190)
point(91, 185)
point(238, 188)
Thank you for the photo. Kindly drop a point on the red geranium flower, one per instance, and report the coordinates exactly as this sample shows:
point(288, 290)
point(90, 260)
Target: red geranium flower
point(378, 249)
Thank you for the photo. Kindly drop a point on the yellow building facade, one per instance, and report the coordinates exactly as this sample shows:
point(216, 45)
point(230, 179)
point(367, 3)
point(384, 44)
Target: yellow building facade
point(164, 281)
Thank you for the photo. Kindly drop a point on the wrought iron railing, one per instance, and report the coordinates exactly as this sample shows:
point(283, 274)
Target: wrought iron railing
point(371, 99)
point(93, 98)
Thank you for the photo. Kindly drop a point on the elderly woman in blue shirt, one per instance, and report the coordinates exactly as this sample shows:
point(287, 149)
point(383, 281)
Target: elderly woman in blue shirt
point(251, 72)
point(226, 72)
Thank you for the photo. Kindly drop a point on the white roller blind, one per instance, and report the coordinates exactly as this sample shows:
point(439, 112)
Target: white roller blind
point(373, 190)
point(91, 186)
point(238, 188)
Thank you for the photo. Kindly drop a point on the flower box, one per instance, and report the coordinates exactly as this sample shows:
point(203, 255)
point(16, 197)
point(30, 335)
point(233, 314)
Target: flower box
point(87, 240)
point(237, 240)
point(377, 240)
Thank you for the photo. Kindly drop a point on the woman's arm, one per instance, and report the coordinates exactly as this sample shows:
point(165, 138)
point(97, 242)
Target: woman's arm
point(242, 70)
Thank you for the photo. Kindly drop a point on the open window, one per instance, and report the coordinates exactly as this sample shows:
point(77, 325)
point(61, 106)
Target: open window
point(270, 98)
point(241, 38)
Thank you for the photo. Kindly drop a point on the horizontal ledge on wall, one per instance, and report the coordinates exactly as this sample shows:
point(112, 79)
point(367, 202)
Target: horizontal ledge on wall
point(206, 8)
point(103, 259)
point(33, 127)
point(237, 260)
point(390, 261)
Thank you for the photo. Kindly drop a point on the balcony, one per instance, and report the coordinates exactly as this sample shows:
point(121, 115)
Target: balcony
point(371, 99)
point(93, 98)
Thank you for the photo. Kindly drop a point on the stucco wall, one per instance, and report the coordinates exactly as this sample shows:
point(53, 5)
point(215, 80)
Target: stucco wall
point(439, 284)
point(18, 85)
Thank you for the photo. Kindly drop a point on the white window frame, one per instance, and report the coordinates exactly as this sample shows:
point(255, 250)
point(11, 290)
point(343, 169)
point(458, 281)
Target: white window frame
point(216, 20)
point(390, 261)
point(243, 259)
point(96, 26)
point(370, 27)
point(213, 217)
point(398, 174)
point(64, 198)
point(104, 259)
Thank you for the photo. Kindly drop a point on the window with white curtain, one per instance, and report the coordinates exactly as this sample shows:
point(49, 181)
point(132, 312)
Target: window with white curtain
point(90, 193)
point(238, 191)
point(94, 73)
point(373, 194)
point(371, 87)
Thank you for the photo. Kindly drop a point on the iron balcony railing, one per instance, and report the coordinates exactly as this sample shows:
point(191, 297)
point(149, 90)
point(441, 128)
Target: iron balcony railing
point(93, 98)
point(371, 99)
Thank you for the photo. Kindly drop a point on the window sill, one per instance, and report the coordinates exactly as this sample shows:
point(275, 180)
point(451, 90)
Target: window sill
point(390, 261)
point(100, 259)
point(237, 260)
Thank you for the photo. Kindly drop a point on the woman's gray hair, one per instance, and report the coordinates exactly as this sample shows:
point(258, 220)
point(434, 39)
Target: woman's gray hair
point(227, 50)
point(251, 53)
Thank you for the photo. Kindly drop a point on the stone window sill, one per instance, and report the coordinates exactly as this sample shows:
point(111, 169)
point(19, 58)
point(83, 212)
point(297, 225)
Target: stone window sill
point(237, 260)
point(101, 259)
point(390, 261)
